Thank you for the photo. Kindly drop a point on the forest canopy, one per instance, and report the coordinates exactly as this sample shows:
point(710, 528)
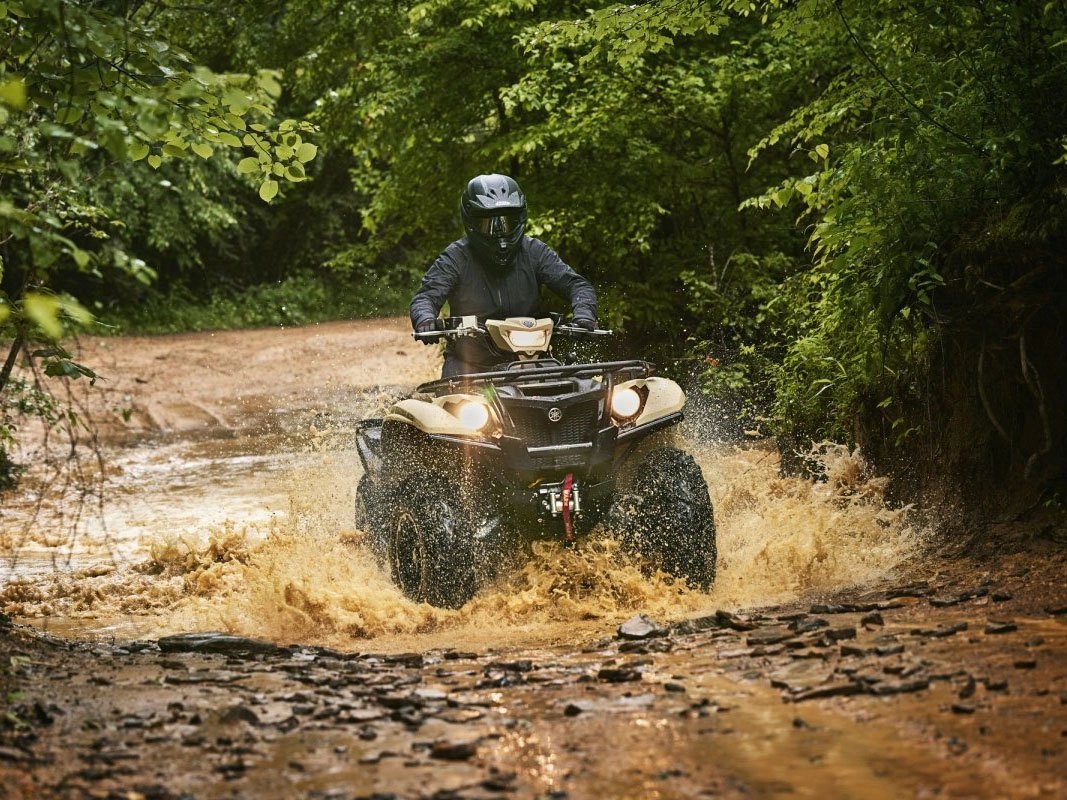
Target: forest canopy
point(843, 219)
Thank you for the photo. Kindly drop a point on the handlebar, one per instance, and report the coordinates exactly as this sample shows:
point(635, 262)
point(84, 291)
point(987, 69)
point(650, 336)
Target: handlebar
point(459, 331)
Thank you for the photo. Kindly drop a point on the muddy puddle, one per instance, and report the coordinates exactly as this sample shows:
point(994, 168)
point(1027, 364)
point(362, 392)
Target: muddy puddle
point(250, 530)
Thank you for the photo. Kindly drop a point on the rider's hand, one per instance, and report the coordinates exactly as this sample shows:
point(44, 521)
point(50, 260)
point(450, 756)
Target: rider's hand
point(586, 323)
point(426, 326)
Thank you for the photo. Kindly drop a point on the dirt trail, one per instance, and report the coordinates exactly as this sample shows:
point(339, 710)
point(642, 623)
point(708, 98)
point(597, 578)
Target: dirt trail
point(833, 657)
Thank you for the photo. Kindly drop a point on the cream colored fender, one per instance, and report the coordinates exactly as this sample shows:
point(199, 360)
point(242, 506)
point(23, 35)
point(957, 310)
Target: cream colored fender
point(663, 397)
point(437, 417)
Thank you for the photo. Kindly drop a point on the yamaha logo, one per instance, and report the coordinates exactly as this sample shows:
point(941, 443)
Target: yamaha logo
point(555, 415)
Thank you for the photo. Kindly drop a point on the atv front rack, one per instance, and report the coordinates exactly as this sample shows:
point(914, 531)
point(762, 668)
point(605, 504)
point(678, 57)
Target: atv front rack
point(522, 371)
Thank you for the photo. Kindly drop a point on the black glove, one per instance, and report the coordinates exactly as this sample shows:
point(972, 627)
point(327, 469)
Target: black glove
point(426, 326)
point(586, 323)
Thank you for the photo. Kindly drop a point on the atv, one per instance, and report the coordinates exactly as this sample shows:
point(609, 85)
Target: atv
point(458, 477)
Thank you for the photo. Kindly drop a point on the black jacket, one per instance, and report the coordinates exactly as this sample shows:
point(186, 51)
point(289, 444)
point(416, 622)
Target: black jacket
point(458, 277)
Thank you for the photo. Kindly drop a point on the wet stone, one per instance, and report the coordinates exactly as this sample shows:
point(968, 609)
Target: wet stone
point(996, 626)
point(943, 602)
point(889, 650)
point(736, 653)
point(968, 688)
point(839, 689)
point(1024, 663)
point(459, 655)
point(916, 589)
point(838, 634)
point(647, 646)
point(808, 653)
point(573, 709)
point(768, 650)
point(619, 674)
point(458, 716)
point(454, 751)
point(640, 626)
point(768, 636)
point(851, 651)
point(673, 687)
point(1001, 597)
point(809, 625)
point(522, 665)
point(962, 708)
point(836, 608)
point(941, 631)
point(874, 618)
point(996, 686)
point(223, 643)
point(239, 713)
point(899, 687)
point(727, 620)
point(1057, 610)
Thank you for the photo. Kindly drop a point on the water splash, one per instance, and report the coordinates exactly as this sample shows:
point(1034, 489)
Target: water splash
point(306, 576)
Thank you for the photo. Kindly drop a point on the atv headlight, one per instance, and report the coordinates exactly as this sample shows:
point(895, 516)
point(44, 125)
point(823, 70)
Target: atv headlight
point(625, 403)
point(528, 340)
point(473, 415)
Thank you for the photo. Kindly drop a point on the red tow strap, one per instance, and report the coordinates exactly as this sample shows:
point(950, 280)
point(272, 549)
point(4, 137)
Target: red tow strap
point(568, 524)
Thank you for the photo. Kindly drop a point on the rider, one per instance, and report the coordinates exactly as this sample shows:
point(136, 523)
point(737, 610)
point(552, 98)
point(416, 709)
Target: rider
point(494, 272)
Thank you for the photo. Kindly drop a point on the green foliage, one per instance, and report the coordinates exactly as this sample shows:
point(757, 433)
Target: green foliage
point(806, 194)
point(95, 92)
point(299, 299)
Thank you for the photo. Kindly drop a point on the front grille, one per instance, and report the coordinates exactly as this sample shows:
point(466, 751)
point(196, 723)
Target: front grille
point(533, 426)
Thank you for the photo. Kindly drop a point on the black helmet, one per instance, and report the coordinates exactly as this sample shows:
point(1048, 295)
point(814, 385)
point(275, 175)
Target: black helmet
point(494, 214)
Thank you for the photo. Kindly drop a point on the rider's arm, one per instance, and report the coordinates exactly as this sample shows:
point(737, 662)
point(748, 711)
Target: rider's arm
point(554, 273)
point(437, 284)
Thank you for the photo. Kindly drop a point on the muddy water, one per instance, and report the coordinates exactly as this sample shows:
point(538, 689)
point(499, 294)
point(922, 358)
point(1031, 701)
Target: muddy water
point(254, 535)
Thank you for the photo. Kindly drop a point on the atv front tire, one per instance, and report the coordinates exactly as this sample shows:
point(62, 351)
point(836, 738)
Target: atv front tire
point(666, 517)
point(431, 548)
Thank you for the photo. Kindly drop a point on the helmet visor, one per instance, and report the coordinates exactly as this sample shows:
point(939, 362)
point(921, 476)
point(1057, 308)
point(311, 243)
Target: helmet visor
point(500, 225)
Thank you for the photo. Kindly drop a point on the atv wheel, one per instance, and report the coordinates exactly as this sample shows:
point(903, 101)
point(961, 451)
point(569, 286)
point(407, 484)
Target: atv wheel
point(666, 516)
point(431, 551)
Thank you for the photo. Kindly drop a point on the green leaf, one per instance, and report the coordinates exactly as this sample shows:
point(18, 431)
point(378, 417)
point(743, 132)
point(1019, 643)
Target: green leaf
point(306, 152)
point(823, 150)
point(137, 150)
point(154, 161)
point(81, 258)
point(13, 93)
point(43, 311)
point(229, 139)
point(248, 165)
point(268, 190)
point(203, 150)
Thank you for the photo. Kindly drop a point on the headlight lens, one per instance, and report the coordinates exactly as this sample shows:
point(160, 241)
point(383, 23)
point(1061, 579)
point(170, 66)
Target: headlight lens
point(473, 415)
point(528, 340)
point(625, 403)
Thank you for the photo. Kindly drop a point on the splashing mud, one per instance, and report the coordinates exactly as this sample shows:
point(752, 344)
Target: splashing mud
point(233, 510)
point(304, 575)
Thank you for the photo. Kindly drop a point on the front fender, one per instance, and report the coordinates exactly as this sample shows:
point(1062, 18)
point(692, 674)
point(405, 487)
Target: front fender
point(431, 418)
point(663, 398)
